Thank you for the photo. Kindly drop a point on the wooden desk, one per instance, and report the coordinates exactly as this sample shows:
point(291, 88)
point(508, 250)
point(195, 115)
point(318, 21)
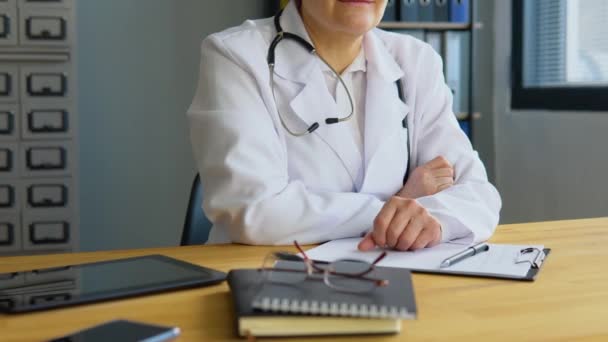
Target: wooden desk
point(569, 301)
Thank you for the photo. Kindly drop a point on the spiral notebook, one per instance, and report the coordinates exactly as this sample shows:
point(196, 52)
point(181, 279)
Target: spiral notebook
point(312, 308)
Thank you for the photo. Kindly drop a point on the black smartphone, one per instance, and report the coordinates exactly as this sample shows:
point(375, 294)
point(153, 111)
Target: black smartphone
point(122, 330)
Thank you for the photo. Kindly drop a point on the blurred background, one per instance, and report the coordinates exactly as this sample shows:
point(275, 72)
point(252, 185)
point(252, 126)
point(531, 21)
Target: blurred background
point(94, 145)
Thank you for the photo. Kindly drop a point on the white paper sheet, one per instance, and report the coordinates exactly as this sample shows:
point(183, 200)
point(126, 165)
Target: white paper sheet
point(499, 260)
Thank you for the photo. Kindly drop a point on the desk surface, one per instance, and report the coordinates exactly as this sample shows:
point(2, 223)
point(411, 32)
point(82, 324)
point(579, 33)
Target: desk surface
point(569, 300)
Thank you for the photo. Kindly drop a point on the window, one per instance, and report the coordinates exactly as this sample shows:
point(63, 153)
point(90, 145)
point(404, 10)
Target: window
point(560, 54)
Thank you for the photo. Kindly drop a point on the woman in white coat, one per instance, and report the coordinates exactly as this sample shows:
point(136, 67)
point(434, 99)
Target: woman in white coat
point(274, 171)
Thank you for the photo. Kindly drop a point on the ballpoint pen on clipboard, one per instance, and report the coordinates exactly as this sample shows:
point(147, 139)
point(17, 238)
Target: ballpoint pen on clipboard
point(469, 252)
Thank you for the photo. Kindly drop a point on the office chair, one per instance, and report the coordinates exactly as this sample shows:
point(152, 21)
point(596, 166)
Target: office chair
point(196, 226)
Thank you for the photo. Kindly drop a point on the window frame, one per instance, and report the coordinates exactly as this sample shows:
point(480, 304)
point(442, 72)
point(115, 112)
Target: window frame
point(552, 98)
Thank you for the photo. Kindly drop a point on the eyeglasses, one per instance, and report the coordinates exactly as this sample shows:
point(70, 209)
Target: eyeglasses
point(342, 275)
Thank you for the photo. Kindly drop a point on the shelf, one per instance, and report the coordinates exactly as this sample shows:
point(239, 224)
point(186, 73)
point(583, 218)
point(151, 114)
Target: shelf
point(465, 116)
point(446, 26)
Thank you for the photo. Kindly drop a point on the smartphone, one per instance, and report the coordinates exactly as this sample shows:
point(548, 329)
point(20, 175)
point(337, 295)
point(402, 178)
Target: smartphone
point(122, 330)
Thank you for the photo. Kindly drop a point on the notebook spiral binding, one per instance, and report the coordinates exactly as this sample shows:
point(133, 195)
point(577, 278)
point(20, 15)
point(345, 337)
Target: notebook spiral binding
point(285, 305)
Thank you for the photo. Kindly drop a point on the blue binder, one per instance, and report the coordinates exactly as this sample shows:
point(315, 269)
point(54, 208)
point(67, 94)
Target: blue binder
point(459, 11)
point(409, 10)
point(425, 10)
point(391, 11)
point(466, 127)
point(441, 10)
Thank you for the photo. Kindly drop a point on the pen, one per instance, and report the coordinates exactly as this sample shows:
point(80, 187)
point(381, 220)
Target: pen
point(469, 252)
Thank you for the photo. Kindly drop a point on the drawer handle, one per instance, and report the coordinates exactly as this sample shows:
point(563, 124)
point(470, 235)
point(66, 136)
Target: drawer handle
point(46, 34)
point(6, 29)
point(46, 166)
point(9, 161)
point(10, 123)
point(10, 236)
point(47, 202)
point(47, 91)
point(46, 128)
point(49, 241)
point(8, 82)
point(11, 197)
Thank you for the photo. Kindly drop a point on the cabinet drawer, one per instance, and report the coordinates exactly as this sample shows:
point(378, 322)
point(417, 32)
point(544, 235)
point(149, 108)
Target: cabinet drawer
point(44, 83)
point(45, 3)
point(45, 159)
point(8, 25)
point(8, 197)
point(9, 84)
point(9, 124)
point(44, 27)
point(8, 160)
point(47, 232)
point(10, 233)
point(47, 194)
point(46, 122)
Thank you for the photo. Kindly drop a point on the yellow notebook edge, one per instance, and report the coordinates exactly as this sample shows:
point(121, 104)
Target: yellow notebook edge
point(315, 325)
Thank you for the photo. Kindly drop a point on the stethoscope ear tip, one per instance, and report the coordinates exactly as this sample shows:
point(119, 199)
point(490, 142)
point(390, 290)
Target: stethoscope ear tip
point(313, 127)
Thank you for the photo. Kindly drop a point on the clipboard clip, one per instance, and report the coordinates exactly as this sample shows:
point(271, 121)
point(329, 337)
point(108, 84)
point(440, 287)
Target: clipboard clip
point(536, 262)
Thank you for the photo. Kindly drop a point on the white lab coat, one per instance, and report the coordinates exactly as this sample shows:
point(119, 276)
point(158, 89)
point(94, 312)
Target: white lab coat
point(264, 186)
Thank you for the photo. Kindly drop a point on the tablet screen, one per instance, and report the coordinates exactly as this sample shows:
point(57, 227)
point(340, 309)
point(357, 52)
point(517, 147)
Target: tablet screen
point(56, 287)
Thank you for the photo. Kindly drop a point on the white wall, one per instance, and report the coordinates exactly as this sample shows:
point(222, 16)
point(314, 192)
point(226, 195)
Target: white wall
point(549, 165)
point(138, 64)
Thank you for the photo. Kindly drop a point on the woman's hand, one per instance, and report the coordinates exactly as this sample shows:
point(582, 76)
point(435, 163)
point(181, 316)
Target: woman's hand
point(403, 224)
point(429, 179)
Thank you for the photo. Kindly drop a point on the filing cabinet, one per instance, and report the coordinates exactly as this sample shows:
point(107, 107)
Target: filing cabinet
point(9, 123)
point(38, 127)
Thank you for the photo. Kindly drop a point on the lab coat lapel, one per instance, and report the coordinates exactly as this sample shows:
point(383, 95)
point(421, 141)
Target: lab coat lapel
point(315, 104)
point(384, 112)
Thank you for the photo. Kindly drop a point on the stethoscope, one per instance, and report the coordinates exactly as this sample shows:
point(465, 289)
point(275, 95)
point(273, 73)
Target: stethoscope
point(281, 35)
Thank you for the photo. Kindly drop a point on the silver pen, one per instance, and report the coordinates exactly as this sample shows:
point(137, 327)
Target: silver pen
point(469, 252)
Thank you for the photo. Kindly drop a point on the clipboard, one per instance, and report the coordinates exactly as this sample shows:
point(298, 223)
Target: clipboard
point(501, 261)
point(530, 276)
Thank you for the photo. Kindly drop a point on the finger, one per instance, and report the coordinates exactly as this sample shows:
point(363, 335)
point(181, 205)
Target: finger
point(444, 180)
point(438, 163)
point(382, 222)
point(423, 240)
point(442, 187)
point(397, 226)
point(410, 234)
point(367, 243)
point(443, 172)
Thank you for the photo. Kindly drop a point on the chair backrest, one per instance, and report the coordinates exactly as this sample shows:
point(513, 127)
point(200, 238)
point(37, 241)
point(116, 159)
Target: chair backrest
point(196, 226)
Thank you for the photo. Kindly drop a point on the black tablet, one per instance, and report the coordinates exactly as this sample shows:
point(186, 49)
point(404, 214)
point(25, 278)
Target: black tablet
point(70, 285)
